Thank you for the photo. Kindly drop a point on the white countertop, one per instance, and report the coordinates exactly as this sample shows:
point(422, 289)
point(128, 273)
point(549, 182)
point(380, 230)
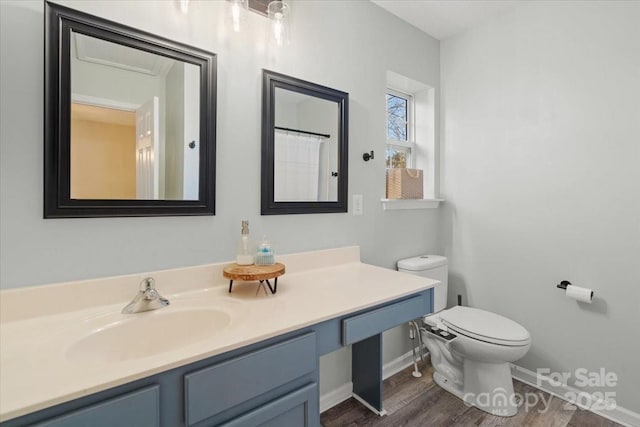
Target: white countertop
point(37, 370)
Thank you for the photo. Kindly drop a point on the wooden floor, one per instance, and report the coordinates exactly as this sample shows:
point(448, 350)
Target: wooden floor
point(420, 402)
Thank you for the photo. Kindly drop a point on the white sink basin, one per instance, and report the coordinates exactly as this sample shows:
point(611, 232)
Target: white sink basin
point(145, 334)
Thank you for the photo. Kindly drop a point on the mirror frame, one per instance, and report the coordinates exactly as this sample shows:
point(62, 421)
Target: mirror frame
point(270, 81)
point(59, 22)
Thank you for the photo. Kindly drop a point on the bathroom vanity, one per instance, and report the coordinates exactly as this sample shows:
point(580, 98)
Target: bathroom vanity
point(257, 365)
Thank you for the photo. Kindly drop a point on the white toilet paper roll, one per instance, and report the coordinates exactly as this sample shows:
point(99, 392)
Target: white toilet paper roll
point(580, 294)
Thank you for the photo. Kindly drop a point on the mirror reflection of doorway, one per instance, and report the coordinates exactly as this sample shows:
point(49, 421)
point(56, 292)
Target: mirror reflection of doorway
point(164, 95)
point(114, 151)
point(103, 140)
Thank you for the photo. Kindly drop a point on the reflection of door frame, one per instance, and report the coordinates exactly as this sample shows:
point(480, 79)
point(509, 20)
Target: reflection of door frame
point(103, 102)
point(147, 150)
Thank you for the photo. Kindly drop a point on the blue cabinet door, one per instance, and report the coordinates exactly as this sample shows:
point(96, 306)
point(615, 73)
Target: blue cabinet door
point(296, 409)
point(140, 408)
point(220, 387)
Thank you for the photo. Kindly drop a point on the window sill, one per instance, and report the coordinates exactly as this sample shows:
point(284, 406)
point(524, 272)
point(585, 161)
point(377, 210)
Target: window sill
point(401, 204)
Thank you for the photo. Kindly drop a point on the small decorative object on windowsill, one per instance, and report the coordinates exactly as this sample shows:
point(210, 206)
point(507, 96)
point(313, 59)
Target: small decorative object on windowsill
point(404, 183)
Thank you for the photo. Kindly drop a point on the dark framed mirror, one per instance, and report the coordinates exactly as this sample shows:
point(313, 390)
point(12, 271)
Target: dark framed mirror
point(130, 121)
point(304, 146)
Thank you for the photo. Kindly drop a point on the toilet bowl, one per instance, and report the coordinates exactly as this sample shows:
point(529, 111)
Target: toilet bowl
point(471, 349)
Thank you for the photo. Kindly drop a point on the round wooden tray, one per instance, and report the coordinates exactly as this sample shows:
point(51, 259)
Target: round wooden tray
point(249, 273)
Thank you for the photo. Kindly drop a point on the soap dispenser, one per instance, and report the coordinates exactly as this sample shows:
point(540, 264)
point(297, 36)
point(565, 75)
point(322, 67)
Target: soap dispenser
point(245, 246)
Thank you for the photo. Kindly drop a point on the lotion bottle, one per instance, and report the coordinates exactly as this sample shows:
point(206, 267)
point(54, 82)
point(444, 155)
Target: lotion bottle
point(245, 246)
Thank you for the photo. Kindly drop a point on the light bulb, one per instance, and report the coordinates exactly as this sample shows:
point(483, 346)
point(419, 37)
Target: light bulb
point(184, 6)
point(235, 16)
point(278, 13)
point(277, 28)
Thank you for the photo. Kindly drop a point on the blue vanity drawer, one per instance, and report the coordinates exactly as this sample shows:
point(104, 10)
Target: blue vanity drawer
point(140, 408)
point(296, 409)
point(225, 385)
point(373, 322)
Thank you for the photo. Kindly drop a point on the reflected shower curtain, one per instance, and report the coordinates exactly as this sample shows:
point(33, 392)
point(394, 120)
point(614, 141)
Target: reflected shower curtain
point(297, 163)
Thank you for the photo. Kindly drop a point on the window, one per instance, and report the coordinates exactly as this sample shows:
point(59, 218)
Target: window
point(400, 133)
point(411, 137)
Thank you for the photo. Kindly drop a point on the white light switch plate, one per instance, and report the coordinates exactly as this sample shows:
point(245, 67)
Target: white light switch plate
point(358, 207)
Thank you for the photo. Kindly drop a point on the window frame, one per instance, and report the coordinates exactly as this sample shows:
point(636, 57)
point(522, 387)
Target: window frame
point(410, 143)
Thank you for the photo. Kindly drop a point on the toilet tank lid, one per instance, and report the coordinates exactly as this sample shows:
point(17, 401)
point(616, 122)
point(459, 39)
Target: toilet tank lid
point(423, 262)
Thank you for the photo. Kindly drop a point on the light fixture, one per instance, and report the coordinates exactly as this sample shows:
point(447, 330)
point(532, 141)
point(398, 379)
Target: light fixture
point(278, 14)
point(237, 13)
point(184, 6)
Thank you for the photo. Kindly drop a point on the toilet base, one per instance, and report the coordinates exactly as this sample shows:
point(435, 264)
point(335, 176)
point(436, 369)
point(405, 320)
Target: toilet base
point(448, 385)
point(487, 386)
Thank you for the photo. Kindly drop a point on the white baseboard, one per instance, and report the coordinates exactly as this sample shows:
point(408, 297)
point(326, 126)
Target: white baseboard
point(396, 365)
point(345, 391)
point(366, 405)
point(335, 396)
point(617, 413)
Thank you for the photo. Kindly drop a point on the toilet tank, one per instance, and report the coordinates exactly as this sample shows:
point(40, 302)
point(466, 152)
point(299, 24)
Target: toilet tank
point(433, 267)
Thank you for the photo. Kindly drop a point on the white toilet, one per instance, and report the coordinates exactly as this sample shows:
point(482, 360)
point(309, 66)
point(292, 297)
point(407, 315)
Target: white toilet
point(470, 348)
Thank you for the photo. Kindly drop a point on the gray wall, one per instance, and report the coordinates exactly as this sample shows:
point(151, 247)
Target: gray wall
point(541, 165)
point(345, 45)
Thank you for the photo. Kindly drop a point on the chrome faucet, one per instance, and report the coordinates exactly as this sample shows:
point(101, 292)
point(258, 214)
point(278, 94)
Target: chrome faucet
point(147, 299)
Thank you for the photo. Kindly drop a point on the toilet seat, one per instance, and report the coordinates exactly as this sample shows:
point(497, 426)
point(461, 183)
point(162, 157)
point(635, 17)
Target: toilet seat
point(485, 326)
